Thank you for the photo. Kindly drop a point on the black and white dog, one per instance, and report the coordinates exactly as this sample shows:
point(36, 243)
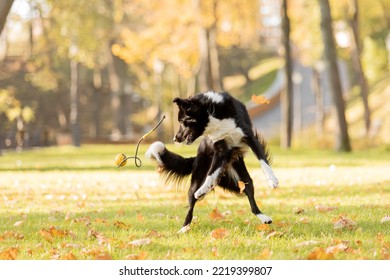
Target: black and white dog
point(227, 132)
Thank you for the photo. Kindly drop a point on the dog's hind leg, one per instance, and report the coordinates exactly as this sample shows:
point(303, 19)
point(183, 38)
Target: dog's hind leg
point(249, 190)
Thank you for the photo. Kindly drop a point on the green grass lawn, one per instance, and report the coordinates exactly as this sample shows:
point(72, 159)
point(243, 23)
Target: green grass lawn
point(73, 203)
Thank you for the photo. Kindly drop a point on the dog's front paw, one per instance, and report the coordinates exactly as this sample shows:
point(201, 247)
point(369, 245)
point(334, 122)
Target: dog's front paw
point(269, 175)
point(264, 218)
point(154, 152)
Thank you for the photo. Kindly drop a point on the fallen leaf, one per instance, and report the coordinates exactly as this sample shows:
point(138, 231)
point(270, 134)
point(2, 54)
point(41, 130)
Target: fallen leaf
point(139, 242)
point(263, 227)
point(9, 254)
point(155, 234)
point(337, 248)
point(18, 223)
point(304, 220)
point(216, 215)
point(344, 223)
point(214, 251)
point(320, 254)
point(141, 256)
point(385, 219)
point(274, 234)
point(298, 210)
point(324, 208)
point(69, 256)
point(241, 185)
point(260, 99)
point(103, 256)
point(220, 233)
point(140, 217)
point(307, 243)
point(46, 235)
point(121, 225)
point(265, 254)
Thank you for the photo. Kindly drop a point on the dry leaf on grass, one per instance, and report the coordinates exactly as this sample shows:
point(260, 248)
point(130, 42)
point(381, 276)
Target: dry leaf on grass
point(216, 215)
point(298, 210)
point(139, 242)
point(121, 225)
point(260, 99)
point(263, 227)
point(337, 248)
point(344, 223)
point(69, 256)
point(140, 256)
point(18, 223)
point(320, 254)
point(220, 233)
point(325, 208)
point(385, 219)
point(307, 243)
point(274, 234)
point(9, 254)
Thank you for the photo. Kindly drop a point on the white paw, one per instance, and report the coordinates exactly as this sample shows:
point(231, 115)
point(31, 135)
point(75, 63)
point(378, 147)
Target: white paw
point(184, 229)
point(269, 175)
point(264, 218)
point(154, 152)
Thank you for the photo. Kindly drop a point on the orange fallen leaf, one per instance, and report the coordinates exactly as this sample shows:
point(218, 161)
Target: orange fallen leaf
point(69, 256)
point(121, 225)
point(298, 210)
point(141, 256)
point(241, 185)
point(46, 235)
point(140, 217)
point(265, 254)
point(320, 254)
point(263, 227)
point(9, 254)
point(260, 99)
point(216, 215)
point(220, 233)
point(214, 251)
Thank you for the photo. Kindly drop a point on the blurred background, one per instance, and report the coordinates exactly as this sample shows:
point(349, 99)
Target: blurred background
point(76, 72)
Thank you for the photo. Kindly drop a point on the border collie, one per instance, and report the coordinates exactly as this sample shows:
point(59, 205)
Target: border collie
point(227, 132)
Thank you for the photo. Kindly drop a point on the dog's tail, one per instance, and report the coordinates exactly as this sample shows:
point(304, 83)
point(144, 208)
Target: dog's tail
point(172, 166)
point(263, 147)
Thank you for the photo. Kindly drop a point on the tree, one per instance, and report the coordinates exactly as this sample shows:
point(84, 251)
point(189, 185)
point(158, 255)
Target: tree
point(356, 54)
point(287, 94)
point(342, 137)
point(5, 7)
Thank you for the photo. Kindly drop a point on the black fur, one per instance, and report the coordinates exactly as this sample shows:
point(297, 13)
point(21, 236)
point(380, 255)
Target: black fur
point(220, 155)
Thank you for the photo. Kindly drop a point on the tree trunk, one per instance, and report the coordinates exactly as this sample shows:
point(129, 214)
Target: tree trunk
point(74, 104)
point(342, 142)
point(5, 7)
point(97, 91)
point(356, 54)
point(209, 76)
point(320, 109)
point(287, 94)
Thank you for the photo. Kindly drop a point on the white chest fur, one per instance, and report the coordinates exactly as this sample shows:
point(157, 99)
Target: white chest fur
point(226, 129)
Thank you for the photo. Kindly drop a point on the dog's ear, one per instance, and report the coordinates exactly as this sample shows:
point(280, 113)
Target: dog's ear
point(182, 103)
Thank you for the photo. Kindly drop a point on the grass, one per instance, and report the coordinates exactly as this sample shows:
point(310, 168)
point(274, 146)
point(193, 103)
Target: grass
point(68, 203)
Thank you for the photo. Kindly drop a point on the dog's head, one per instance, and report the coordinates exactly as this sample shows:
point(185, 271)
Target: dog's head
point(193, 119)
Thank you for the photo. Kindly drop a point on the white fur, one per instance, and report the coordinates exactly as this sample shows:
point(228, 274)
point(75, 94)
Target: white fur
point(208, 184)
point(154, 152)
point(226, 129)
point(269, 175)
point(215, 97)
point(264, 218)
